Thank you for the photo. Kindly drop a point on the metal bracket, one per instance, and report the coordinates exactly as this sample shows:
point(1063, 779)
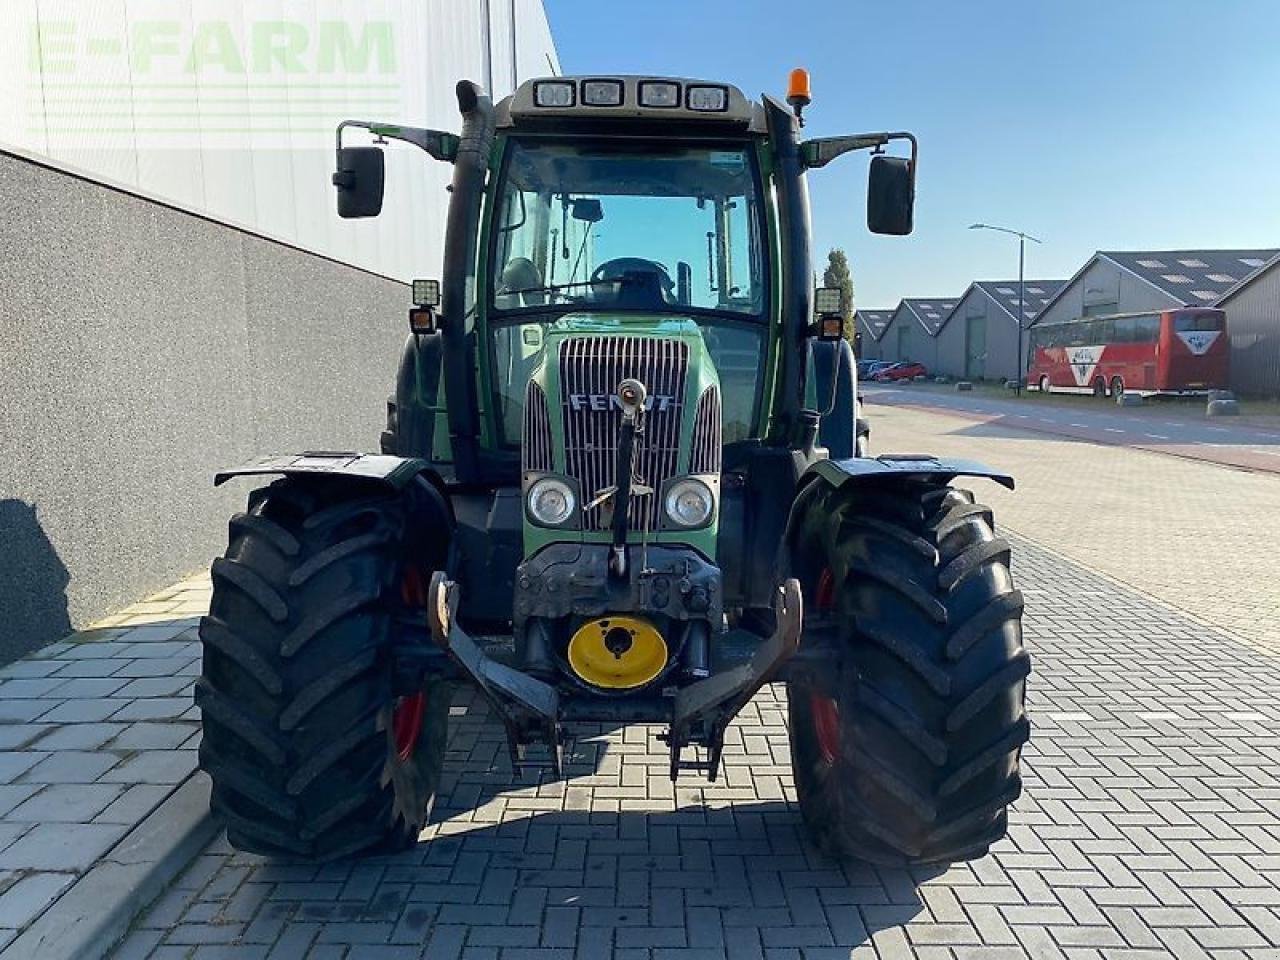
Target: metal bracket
point(703, 711)
point(529, 708)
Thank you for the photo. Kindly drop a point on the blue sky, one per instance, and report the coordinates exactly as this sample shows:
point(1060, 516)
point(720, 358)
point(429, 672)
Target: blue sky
point(1096, 124)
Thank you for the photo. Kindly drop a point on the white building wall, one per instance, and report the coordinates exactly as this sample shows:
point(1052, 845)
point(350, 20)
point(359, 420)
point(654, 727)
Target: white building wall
point(228, 107)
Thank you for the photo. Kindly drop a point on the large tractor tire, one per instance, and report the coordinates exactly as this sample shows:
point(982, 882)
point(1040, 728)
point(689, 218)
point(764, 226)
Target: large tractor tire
point(905, 746)
point(314, 748)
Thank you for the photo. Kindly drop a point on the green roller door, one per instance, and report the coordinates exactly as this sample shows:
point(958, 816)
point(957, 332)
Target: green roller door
point(975, 347)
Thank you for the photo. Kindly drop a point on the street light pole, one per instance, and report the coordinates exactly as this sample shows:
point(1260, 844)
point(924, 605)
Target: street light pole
point(1022, 257)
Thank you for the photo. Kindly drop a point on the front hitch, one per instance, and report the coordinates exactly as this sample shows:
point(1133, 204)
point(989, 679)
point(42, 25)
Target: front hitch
point(529, 708)
point(703, 711)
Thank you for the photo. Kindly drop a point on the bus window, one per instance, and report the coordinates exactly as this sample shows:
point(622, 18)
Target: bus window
point(1148, 328)
point(1187, 322)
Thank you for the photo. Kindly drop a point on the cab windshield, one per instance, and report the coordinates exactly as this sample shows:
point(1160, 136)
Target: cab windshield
point(647, 227)
point(629, 228)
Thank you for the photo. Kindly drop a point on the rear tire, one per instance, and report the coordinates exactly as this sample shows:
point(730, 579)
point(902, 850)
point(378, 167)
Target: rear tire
point(1045, 385)
point(299, 701)
point(1117, 387)
point(905, 745)
point(1100, 388)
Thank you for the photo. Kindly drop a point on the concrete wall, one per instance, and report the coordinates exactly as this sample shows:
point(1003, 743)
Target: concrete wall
point(141, 347)
point(1253, 324)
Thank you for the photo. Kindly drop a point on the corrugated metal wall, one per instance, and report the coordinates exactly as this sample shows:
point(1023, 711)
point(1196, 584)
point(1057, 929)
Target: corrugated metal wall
point(1253, 323)
point(228, 107)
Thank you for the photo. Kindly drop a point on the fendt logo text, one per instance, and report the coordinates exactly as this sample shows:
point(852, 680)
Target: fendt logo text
point(603, 401)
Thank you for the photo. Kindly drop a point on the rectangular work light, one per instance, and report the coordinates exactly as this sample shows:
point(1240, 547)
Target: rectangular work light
point(828, 301)
point(656, 93)
point(426, 293)
point(554, 93)
point(706, 99)
point(602, 93)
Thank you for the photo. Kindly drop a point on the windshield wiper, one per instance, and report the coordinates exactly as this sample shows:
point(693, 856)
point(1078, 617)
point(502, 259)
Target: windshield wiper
point(555, 287)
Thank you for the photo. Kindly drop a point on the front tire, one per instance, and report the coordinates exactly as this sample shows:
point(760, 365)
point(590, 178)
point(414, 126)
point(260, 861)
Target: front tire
point(312, 749)
point(905, 746)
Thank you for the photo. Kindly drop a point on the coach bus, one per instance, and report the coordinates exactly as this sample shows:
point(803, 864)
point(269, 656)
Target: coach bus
point(1172, 352)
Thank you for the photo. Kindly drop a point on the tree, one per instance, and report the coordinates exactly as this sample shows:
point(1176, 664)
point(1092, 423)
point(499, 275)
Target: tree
point(836, 274)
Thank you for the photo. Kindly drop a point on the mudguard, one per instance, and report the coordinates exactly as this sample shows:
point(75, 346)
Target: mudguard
point(838, 472)
point(395, 472)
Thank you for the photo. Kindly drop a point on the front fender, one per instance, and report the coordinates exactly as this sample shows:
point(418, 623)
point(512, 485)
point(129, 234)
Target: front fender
point(395, 472)
point(836, 473)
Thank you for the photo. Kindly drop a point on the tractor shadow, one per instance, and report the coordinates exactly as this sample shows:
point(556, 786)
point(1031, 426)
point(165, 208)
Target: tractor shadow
point(609, 858)
point(33, 583)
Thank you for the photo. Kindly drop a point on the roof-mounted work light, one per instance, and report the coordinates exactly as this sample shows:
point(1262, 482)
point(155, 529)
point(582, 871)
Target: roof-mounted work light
point(659, 93)
point(602, 93)
point(554, 93)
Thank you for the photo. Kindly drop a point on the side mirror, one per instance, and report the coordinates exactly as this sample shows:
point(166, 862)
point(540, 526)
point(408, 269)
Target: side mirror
point(891, 195)
point(361, 179)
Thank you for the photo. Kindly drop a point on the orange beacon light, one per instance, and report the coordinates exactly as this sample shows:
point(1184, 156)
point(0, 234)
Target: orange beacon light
point(798, 93)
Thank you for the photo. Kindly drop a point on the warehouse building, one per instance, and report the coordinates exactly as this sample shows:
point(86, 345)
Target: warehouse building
point(869, 327)
point(978, 339)
point(912, 332)
point(1114, 282)
point(179, 293)
point(1253, 324)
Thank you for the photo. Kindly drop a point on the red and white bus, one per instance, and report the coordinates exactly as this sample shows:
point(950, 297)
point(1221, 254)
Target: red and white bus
point(1171, 352)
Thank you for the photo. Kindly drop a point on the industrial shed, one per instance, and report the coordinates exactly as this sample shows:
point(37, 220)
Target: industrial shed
point(870, 326)
point(1253, 324)
point(978, 339)
point(1138, 282)
point(912, 332)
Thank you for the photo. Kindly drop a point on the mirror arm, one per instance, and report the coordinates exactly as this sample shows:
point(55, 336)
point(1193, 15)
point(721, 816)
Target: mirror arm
point(818, 153)
point(436, 143)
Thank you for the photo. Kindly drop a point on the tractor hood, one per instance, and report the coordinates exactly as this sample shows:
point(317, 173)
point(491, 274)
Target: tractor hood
point(572, 418)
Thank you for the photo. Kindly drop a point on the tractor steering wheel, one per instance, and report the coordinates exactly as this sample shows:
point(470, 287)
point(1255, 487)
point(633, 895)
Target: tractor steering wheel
point(619, 267)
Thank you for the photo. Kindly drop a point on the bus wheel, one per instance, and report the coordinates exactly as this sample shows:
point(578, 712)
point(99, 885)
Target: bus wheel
point(1044, 385)
point(1099, 388)
point(1117, 387)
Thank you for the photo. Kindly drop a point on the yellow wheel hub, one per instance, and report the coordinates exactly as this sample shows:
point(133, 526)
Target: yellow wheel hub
point(617, 652)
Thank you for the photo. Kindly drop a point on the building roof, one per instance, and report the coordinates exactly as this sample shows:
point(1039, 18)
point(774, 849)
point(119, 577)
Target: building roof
point(1036, 293)
point(1265, 268)
point(930, 312)
point(1194, 278)
point(875, 322)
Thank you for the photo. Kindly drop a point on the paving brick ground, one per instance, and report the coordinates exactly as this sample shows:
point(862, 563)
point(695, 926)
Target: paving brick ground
point(1150, 828)
point(95, 732)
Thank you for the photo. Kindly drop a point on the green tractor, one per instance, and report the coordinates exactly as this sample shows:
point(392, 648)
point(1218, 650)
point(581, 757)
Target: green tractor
point(625, 433)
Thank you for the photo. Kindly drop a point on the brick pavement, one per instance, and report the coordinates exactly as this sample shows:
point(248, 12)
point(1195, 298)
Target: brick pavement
point(95, 732)
point(1150, 828)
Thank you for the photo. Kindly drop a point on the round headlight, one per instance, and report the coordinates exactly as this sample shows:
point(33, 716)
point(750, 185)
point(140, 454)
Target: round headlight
point(551, 501)
point(689, 503)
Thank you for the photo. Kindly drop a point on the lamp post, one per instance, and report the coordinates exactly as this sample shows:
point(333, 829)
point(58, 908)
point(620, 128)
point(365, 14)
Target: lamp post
point(1022, 256)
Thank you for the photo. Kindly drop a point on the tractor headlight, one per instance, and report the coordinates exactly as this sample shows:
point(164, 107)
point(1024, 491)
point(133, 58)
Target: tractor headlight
point(689, 503)
point(551, 501)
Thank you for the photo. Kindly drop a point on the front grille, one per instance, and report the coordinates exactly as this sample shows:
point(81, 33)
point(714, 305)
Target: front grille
point(537, 430)
point(590, 369)
point(705, 455)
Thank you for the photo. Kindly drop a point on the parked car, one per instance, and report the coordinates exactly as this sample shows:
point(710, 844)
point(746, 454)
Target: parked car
point(866, 368)
point(906, 370)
